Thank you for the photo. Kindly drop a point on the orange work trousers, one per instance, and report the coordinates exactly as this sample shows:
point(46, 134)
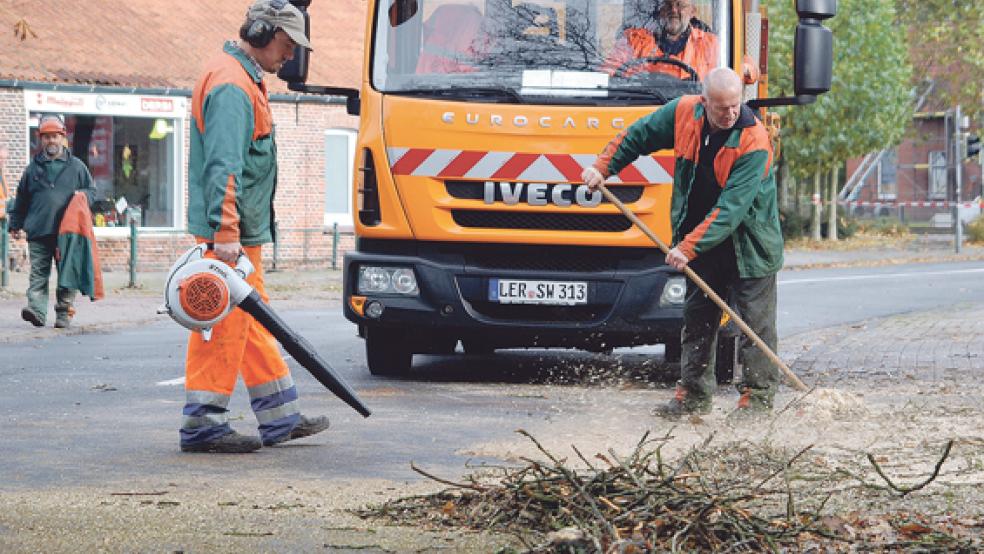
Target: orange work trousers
point(239, 345)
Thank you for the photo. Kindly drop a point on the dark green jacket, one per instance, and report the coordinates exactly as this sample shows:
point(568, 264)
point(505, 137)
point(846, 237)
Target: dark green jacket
point(41, 201)
point(232, 166)
point(746, 209)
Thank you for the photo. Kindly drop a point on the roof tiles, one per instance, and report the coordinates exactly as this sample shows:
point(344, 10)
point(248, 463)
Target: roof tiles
point(160, 44)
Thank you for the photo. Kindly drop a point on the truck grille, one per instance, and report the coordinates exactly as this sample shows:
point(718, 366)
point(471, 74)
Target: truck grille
point(543, 314)
point(518, 257)
point(493, 219)
point(475, 190)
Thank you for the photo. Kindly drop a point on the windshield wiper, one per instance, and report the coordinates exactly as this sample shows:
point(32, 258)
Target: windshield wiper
point(625, 92)
point(470, 92)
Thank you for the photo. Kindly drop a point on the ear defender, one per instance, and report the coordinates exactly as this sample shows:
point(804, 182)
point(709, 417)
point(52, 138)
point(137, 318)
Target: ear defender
point(260, 33)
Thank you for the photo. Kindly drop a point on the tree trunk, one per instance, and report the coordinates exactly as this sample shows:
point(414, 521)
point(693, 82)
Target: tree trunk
point(783, 191)
point(817, 206)
point(832, 222)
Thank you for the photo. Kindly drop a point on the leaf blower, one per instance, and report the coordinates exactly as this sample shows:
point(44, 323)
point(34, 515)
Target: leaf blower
point(200, 292)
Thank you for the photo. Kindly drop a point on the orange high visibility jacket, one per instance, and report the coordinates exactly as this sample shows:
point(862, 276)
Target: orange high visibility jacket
point(700, 53)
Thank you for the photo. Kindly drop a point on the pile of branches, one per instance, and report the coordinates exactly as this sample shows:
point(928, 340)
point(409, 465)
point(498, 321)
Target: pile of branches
point(735, 498)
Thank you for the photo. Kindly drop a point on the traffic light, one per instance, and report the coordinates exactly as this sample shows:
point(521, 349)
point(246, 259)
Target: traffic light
point(973, 145)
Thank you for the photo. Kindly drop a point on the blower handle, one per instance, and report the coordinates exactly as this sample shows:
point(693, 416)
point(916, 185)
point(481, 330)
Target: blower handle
point(793, 379)
point(243, 266)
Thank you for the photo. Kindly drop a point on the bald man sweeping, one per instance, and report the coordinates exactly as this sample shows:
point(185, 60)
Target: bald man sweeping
point(725, 228)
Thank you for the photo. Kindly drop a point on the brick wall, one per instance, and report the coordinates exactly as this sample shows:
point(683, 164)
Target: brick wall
point(303, 239)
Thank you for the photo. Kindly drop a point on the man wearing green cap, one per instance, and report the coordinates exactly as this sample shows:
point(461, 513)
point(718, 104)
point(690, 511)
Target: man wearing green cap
point(232, 175)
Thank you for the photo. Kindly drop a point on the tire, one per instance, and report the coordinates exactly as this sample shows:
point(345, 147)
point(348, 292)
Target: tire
point(477, 347)
point(388, 353)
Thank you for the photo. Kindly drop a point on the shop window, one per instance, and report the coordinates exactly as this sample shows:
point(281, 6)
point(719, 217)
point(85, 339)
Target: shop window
point(133, 165)
point(339, 157)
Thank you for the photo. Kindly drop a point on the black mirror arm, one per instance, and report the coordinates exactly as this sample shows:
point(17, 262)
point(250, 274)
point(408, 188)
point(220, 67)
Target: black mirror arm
point(351, 95)
point(799, 100)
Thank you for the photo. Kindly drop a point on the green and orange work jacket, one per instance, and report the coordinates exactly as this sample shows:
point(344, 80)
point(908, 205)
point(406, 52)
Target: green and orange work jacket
point(746, 209)
point(232, 170)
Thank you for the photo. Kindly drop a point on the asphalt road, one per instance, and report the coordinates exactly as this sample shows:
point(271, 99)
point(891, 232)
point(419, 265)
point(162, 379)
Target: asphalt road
point(97, 408)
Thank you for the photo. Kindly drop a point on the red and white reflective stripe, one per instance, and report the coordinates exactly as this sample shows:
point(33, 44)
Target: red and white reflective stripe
point(914, 204)
point(519, 166)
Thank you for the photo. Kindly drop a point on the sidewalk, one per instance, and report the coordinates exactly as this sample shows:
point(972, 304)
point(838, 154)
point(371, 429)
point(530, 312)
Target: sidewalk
point(919, 249)
point(126, 307)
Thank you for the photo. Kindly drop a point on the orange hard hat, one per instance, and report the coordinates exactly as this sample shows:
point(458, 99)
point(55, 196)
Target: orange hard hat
point(51, 124)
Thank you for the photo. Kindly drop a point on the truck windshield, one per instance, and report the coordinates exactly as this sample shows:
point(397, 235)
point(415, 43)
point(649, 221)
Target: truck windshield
point(549, 51)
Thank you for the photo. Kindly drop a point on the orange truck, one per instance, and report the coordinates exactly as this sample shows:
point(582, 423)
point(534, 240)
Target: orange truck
point(477, 118)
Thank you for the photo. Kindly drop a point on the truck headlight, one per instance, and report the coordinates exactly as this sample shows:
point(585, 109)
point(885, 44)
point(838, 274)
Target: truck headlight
point(674, 292)
point(387, 280)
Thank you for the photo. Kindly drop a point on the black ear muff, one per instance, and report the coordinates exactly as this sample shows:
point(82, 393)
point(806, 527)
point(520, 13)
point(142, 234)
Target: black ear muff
point(259, 33)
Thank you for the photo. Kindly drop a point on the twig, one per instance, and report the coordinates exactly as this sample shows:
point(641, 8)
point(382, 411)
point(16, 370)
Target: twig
point(906, 490)
point(474, 487)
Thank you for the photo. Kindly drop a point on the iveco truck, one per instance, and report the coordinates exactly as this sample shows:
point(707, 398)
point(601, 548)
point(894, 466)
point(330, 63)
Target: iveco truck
point(477, 118)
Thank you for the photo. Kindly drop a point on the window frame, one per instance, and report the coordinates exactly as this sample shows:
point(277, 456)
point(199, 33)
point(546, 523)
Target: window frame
point(344, 219)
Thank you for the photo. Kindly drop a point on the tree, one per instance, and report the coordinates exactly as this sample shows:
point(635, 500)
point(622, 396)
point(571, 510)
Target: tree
point(945, 38)
point(870, 101)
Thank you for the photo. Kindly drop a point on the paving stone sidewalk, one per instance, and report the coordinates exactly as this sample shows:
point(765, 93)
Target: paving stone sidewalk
point(934, 348)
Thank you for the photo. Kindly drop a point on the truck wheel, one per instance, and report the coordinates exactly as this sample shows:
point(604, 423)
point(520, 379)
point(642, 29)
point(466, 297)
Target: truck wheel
point(477, 347)
point(673, 351)
point(387, 353)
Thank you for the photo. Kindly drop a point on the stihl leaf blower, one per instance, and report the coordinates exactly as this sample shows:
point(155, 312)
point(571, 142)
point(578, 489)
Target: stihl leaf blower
point(200, 292)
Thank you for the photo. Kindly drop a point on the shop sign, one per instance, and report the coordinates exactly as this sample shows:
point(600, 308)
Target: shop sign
point(134, 105)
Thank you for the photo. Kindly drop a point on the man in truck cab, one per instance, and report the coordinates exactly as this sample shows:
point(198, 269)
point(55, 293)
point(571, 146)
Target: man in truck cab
point(725, 223)
point(679, 35)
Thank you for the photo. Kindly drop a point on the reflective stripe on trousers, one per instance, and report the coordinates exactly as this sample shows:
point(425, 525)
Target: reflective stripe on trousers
point(239, 345)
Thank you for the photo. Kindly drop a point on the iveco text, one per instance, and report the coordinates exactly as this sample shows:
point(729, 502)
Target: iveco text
point(541, 194)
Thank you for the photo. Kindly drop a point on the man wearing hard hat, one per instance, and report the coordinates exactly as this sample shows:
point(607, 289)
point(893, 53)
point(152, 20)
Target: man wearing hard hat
point(45, 190)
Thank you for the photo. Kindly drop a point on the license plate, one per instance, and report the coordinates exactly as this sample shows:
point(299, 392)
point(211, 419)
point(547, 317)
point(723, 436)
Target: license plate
point(521, 291)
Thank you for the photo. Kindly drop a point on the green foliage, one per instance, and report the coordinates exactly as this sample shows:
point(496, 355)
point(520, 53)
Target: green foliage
point(885, 226)
point(847, 226)
point(945, 37)
point(870, 101)
point(975, 230)
point(793, 224)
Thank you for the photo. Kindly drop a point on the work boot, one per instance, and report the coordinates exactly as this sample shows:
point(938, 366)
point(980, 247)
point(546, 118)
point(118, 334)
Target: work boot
point(305, 428)
point(680, 405)
point(231, 443)
point(63, 320)
point(32, 317)
point(751, 406)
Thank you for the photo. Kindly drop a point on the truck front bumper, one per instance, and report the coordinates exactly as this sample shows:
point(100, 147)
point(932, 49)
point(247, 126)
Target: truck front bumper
point(626, 305)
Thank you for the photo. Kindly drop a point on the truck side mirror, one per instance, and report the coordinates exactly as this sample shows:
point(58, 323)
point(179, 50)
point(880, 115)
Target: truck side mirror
point(296, 70)
point(813, 47)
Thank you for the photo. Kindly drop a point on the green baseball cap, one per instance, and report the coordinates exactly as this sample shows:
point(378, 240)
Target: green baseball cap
point(282, 15)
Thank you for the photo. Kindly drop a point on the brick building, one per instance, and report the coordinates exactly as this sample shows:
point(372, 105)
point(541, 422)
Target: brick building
point(122, 72)
point(918, 178)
